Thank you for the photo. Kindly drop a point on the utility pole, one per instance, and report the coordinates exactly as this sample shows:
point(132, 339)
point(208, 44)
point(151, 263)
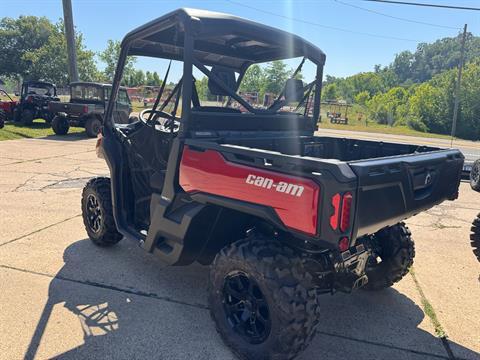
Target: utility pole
point(70, 36)
point(459, 81)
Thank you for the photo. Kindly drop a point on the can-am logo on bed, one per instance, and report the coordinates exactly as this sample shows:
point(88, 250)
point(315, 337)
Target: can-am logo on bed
point(281, 186)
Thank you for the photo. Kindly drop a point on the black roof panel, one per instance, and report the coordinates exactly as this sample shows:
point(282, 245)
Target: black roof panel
point(220, 39)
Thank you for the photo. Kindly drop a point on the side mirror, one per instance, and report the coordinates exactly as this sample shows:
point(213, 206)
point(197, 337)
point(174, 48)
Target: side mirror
point(227, 76)
point(293, 90)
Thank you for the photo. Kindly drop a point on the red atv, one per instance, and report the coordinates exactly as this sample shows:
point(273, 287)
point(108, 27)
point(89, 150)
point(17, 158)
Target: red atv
point(7, 107)
point(279, 213)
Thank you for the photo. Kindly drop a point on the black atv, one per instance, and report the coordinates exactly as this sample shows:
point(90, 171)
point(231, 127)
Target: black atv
point(33, 103)
point(86, 108)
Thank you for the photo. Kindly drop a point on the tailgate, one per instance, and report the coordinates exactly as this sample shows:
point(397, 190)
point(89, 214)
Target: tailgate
point(69, 108)
point(395, 188)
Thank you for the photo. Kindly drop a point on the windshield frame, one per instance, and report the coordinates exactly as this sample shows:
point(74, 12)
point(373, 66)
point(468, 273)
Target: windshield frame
point(39, 85)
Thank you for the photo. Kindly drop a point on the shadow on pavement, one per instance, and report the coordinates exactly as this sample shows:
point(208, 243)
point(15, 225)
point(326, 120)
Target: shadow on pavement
point(69, 137)
point(172, 322)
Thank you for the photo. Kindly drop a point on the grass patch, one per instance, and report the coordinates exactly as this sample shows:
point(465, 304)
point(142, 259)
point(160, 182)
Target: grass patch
point(379, 128)
point(137, 106)
point(428, 308)
point(38, 129)
point(359, 120)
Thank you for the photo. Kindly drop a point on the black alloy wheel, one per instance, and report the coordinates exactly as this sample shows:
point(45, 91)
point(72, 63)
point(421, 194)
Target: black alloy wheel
point(94, 214)
point(246, 308)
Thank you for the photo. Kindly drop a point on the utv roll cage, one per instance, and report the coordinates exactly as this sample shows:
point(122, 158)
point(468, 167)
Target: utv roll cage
point(104, 87)
point(203, 38)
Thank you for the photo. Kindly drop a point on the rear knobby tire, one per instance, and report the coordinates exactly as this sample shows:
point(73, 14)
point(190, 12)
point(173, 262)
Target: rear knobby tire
point(396, 250)
point(282, 281)
point(475, 237)
point(3, 118)
point(97, 212)
point(93, 126)
point(475, 176)
point(60, 125)
point(27, 117)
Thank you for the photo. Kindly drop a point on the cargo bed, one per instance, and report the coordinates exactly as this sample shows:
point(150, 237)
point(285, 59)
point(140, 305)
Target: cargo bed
point(390, 181)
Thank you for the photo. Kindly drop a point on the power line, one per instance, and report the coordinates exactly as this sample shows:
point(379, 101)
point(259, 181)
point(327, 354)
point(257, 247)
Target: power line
point(322, 25)
point(425, 4)
point(396, 17)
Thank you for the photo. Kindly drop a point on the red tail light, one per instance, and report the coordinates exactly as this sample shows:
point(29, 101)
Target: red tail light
point(346, 211)
point(336, 211)
point(29, 99)
point(85, 108)
point(342, 206)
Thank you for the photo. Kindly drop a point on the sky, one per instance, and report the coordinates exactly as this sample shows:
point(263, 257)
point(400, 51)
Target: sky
point(354, 34)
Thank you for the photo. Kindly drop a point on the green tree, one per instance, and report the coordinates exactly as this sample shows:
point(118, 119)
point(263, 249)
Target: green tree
point(50, 61)
point(156, 79)
point(432, 102)
point(202, 89)
point(19, 37)
point(330, 92)
point(276, 74)
point(253, 80)
point(390, 107)
point(110, 56)
point(362, 97)
point(431, 59)
point(138, 78)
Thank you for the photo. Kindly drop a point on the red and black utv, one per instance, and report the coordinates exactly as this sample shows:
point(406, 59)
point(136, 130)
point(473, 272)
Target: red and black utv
point(7, 106)
point(280, 214)
point(33, 103)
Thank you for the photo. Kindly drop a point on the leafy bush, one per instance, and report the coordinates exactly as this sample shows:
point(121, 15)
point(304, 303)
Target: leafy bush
point(416, 124)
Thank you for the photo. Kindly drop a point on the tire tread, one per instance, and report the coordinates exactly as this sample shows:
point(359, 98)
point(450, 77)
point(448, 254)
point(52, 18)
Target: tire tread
point(110, 235)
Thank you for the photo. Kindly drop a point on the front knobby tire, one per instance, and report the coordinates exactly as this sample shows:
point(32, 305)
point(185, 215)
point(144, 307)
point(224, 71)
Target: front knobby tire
point(93, 126)
point(97, 212)
point(60, 125)
point(475, 176)
point(27, 117)
point(3, 118)
point(262, 299)
point(475, 237)
point(396, 250)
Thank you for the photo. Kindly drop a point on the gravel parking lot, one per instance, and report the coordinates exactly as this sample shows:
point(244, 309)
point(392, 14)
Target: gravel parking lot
point(62, 297)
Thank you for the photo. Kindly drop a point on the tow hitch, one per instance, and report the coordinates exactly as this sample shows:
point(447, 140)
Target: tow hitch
point(350, 270)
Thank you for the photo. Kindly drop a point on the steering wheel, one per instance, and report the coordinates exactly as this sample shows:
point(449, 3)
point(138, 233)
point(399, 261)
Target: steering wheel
point(160, 120)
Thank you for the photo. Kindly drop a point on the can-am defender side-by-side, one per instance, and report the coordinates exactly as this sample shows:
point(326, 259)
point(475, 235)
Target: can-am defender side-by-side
point(87, 106)
point(33, 103)
point(281, 215)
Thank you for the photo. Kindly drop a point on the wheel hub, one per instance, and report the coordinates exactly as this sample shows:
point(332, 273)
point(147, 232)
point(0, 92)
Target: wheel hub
point(94, 213)
point(246, 308)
